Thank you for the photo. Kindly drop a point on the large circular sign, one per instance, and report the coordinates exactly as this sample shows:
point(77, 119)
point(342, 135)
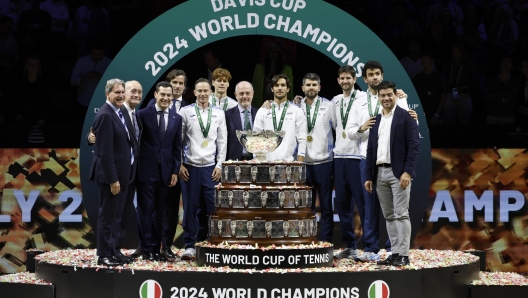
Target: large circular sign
point(195, 23)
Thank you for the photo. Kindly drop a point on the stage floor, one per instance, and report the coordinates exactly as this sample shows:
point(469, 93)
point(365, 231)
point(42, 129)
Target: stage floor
point(75, 273)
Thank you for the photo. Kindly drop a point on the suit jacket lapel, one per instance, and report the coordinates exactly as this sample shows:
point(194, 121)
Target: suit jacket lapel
point(116, 118)
point(128, 121)
point(394, 123)
point(253, 115)
point(238, 122)
point(153, 116)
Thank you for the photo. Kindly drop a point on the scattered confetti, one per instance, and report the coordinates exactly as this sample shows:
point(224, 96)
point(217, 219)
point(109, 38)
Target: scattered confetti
point(23, 278)
point(501, 279)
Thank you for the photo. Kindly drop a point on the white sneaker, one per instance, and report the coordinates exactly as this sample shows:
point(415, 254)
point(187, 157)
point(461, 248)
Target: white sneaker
point(347, 253)
point(188, 254)
point(369, 257)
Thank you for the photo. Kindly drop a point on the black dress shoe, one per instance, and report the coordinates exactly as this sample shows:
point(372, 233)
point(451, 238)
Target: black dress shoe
point(137, 253)
point(167, 252)
point(108, 261)
point(124, 259)
point(148, 257)
point(401, 261)
point(389, 260)
point(160, 257)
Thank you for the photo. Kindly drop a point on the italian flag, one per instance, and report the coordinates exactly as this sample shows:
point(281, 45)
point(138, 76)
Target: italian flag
point(379, 289)
point(150, 289)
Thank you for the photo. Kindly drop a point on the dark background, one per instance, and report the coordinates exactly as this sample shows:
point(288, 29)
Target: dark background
point(487, 31)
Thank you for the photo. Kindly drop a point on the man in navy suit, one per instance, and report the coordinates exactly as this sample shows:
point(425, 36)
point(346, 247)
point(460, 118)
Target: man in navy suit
point(392, 151)
point(240, 117)
point(159, 164)
point(178, 79)
point(111, 168)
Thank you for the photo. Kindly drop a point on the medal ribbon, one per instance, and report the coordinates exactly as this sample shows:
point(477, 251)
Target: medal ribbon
point(344, 118)
point(225, 103)
point(205, 131)
point(279, 128)
point(308, 107)
point(370, 107)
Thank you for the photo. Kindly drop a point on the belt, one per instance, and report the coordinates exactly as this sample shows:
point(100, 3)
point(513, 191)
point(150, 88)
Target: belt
point(385, 165)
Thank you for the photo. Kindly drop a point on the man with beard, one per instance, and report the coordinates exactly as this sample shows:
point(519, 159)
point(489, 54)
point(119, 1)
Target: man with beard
point(349, 155)
point(392, 151)
point(320, 118)
point(240, 117)
point(221, 79)
point(159, 165)
point(286, 117)
point(204, 151)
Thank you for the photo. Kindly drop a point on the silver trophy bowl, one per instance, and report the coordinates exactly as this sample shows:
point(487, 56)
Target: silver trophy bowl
point(260, 143)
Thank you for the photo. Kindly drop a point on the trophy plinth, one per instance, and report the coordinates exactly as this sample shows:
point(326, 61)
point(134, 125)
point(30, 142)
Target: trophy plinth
point(260, 143)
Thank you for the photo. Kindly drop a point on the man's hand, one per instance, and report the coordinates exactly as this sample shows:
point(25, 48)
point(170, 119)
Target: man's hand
point(174, 180)
point(217, 174)
point(400, 93)
point(266, 104)
point(297, 99)
point(115, 188)
point(413, 114)
point(405, 180)
point(184, 174)
point(91, 136)
point(300, 158)
point(368, 124)
point(368, 186)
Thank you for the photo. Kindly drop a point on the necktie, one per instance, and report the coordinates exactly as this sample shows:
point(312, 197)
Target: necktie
point(247, 124)
point(161, 124)
point(136, 127)
point(128, 135)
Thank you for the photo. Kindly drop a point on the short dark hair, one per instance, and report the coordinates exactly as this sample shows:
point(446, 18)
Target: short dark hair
point(276, 78)
point(371, 64)
point(387, 85)
point(346, 69)
point(175, 73)
point(163, 84)
point(427, 52)
point(313, 77)
point(202, 80)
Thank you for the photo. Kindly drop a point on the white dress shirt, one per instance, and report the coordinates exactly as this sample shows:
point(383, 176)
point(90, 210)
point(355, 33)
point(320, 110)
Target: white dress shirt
point(165, 116)
point(178, 102)
point(384, 130)
point(360, 115)
point(231, 103)
point(294, 126)
point(345, 147)
point(193, 152)
point(320, 149)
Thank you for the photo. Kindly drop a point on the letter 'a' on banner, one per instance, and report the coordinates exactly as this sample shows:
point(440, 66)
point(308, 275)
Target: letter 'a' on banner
point(196, 23)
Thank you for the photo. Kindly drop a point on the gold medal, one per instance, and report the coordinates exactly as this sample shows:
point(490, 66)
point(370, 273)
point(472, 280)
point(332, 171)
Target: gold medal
point(205, 143)
point(344, 135)
point(309, 139)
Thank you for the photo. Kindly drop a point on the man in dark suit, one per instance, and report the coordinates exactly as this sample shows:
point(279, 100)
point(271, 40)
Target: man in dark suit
point(178, 79)
point(133, 95)
point(392, 151)
point(111, 168)
point(240, 117)
point(159, 163)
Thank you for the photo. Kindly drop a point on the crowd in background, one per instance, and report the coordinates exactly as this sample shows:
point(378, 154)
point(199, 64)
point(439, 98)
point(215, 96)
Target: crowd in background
point(467, 58)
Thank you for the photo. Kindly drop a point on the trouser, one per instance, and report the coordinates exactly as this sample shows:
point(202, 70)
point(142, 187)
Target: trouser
point(347, 191)
point(320, 177)
point(111, 209)
point(150, 208)
point(199, 187)
point(394, 203)
point(371, 217)
point(170, 217)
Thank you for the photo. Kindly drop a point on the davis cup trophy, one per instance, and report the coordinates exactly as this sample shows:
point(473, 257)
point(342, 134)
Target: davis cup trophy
point(261, 203)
